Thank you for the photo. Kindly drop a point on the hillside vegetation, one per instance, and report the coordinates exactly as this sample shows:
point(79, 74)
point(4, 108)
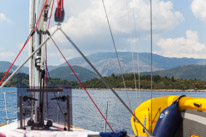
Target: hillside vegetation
point(184, 72)
point(22, 80)
point(158, 82)
point(64, 73)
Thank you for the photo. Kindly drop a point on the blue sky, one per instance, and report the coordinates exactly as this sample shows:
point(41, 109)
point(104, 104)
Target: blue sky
point(179, 28)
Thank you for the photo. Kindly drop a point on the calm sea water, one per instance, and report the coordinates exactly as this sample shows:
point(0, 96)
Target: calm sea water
point(85, 114)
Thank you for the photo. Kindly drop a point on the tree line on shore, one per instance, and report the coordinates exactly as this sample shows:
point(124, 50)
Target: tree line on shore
point(159, 82)
point(22, 80)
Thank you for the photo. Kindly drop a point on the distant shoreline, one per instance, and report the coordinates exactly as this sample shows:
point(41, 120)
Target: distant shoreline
point(156, 90)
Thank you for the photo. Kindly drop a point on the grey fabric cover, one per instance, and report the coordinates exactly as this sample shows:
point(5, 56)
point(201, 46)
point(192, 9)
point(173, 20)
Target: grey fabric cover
point(193, 123)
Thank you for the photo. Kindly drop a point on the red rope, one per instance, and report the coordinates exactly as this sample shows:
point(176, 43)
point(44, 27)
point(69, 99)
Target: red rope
point(82, 85)
point(62, 4)
point(57, 3)
point(50, 14)
point(23, 45)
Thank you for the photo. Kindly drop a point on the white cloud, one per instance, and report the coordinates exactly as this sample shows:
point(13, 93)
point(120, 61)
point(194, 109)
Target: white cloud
point(199, 9)
point(88, 26)
point(6, 55)
point(3, 18)
point(164, 18)
point(188, 46)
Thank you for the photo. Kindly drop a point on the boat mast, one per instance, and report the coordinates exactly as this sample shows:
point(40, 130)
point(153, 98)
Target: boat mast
point(31, 48)
point(39, 59)
point(31, 42)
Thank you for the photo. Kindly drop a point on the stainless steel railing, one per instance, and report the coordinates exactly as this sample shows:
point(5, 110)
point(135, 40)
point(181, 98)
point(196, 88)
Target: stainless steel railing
point(6, 108)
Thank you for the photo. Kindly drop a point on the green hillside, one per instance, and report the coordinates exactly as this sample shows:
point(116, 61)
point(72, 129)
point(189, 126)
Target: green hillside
point(4, 65)
point(64, 73)
point(184, 72)
point(158, 82)
point(22, 80)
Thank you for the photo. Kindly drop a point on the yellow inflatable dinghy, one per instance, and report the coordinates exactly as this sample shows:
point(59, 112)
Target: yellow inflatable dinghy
point(143, 111)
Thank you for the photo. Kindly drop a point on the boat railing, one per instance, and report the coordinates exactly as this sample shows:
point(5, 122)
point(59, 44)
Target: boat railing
point(6, 108)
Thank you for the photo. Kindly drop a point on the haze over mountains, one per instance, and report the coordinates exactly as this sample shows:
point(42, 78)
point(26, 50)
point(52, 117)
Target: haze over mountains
point(106, 63)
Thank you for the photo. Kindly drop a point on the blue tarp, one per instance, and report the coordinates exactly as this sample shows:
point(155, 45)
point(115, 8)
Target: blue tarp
point(114, 134)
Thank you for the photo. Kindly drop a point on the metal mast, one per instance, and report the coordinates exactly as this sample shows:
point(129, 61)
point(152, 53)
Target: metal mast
point(31, 48)
point(39, 71)
point(31, 42)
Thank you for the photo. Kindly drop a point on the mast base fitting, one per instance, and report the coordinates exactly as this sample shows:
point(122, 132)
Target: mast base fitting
point(39, 126)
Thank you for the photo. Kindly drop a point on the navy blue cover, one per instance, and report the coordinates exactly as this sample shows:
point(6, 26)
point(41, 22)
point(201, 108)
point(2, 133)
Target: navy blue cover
point(168, 122)
point(114, 134)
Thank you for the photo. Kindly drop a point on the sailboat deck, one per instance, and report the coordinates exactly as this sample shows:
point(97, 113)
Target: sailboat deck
point(11, 129)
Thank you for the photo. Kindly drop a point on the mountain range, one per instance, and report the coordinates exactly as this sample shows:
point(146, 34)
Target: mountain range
point(184, 72)
point(4, 65)
point(64, 73)
point(106, 63)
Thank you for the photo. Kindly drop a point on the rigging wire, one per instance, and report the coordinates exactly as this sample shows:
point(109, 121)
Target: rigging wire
point(81, 84)
point(133, 60)
point(27, 40)
point(131, 44)
point(47, 101)
point(151, 60)
point(118, 60)
point(50, 15)
point(59, 106)
point(138, 58)
point(103, 80)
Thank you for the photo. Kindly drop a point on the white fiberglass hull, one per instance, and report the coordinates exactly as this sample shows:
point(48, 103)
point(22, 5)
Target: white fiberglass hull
point(11, 130)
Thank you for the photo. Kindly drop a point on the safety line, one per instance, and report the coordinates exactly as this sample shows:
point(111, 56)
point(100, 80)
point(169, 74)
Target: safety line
point(30, 35)
point(81, 84)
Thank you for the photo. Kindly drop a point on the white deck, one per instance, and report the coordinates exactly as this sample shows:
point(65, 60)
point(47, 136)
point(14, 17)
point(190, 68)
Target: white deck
point(10, 130)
